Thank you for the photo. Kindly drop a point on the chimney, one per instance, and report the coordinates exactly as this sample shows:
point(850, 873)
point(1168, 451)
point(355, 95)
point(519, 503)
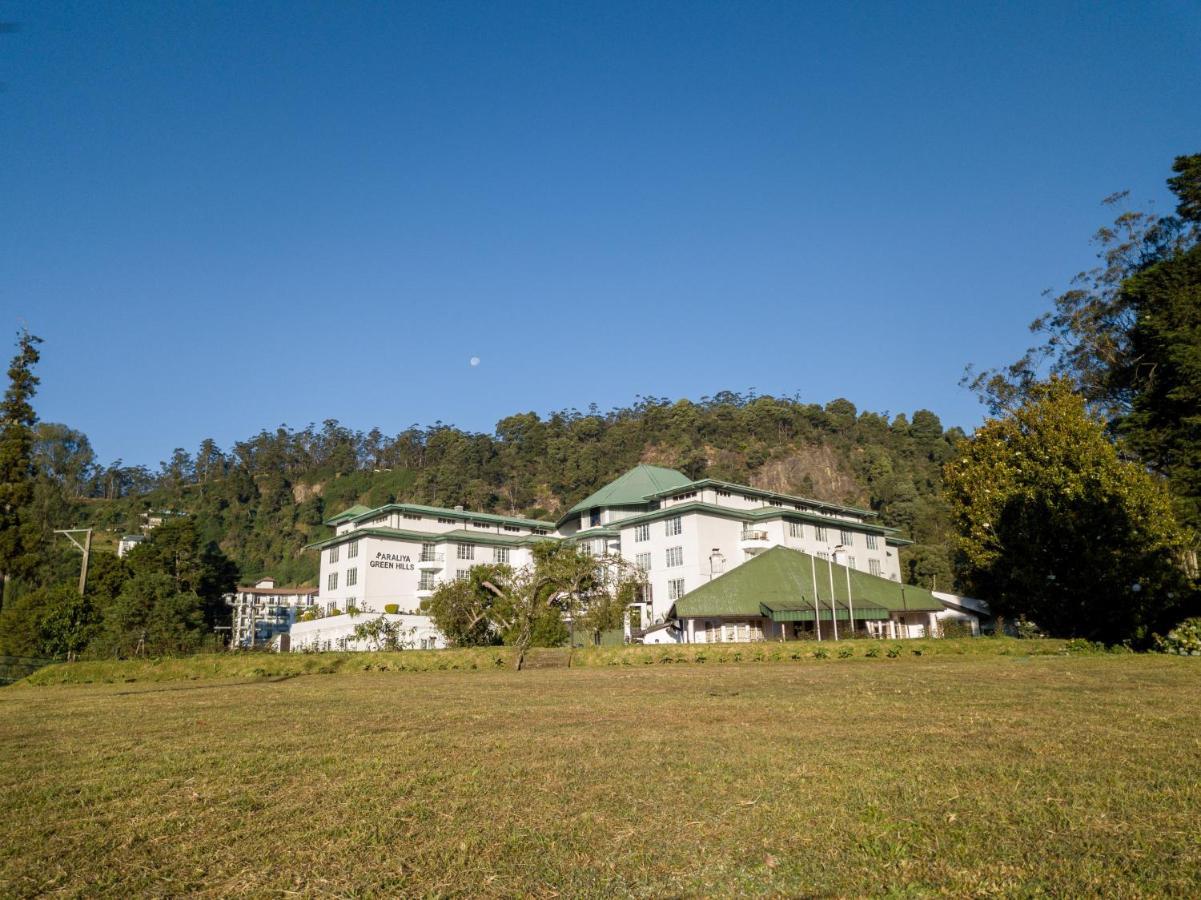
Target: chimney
point(458, 507)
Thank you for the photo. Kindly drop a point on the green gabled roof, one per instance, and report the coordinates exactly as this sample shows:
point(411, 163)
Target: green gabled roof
point(783, 579)
point(633, 488)
point(773, 495)
point(458, 535)
point(353, 513)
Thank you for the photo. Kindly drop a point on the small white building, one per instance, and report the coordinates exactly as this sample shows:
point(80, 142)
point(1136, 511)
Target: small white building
point(128, 542)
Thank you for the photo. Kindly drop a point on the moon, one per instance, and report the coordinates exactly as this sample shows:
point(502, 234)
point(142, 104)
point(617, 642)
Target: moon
point(475, 361)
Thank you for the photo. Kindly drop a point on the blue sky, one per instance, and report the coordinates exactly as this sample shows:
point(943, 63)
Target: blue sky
point(223, 217)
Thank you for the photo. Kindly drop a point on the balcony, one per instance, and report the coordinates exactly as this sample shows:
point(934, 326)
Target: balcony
point(431, 562)
point(755, 540)
point(424, 593)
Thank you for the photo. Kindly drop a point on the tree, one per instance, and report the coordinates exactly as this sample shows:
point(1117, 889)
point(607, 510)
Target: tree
point(51, 621)
point(151, 617)
point(466, 609)
point(1054, 526)
point(16, 462)
point(594, 591)
point(175, 549)
point(1128, 336)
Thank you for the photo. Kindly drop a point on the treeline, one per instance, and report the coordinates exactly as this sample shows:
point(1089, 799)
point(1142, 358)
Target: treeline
point(265, 498)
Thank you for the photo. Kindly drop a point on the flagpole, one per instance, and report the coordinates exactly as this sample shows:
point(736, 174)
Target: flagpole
point(817, 605)
point(833, 608)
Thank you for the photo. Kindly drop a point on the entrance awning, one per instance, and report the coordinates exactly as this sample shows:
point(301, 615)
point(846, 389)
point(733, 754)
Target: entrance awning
point(803, 611)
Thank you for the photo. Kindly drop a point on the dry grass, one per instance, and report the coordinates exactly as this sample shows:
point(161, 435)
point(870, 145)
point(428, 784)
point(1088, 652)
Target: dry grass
point(940, 774)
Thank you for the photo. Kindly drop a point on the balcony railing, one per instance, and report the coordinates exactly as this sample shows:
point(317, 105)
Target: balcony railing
point(754, 534)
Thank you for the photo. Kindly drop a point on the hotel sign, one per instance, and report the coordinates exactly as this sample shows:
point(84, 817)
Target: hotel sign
point(391, 561)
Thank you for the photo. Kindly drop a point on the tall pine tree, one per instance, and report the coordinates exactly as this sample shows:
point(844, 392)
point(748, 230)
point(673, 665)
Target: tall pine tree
point(16, 460)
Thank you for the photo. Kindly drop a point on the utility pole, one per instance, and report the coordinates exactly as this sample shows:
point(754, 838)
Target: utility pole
point(85, 548)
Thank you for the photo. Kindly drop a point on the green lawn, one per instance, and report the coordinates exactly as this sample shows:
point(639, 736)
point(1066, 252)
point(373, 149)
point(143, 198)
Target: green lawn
point(972, 774)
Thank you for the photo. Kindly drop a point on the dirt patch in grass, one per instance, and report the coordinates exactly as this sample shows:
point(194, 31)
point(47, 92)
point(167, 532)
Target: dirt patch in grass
point(955, 774)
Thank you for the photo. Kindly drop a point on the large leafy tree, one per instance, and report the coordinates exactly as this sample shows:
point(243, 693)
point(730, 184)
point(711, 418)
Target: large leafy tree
point(1127, 334)
point(17, 536)
point(1054, 526)
point(151, 616)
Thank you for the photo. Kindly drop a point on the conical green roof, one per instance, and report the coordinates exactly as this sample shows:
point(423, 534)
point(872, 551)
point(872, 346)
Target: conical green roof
point(633, 488)
point(783, 579)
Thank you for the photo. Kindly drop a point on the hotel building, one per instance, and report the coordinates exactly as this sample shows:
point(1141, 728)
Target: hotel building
point(689, 538)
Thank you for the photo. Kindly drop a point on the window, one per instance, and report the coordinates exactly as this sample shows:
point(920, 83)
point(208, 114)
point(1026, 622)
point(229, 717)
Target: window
point(412, 516)
point(461, 574)
point(500, 555)
point(674, 526)
point(480, 525)
point(333, 553)
point(643, 561)
point(642, 532)
point(796, 530)
point(445, 521)
point(465, 551)
point(512, 528)
point(426, 583)
point(332, 581)
point(851, 563)
point(594, 518)
point(822, 533)
point(352, 577)
point(723, 493)
point(873, 567)
point(873, 542)
point(675, 589)
point(352, 549)
point(429, 552)
point(675, 557)
point(847, 537)
point(823, 555)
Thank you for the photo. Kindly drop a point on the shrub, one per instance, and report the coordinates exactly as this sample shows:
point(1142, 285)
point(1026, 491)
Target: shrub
point(1027, 629)
point(872, 652)
point(391, 608)
point(335, 612)
point(846, 652)
point(821, 653)
point(893, 652)
point(1183, 640)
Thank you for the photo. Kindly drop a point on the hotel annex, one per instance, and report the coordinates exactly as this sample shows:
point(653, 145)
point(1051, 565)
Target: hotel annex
point(722, 562)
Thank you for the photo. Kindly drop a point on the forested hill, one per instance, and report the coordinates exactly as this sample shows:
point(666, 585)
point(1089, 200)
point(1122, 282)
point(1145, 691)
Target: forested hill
point(266, 497)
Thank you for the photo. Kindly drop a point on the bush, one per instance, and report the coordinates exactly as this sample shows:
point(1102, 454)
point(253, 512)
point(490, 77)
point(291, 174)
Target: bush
point(872, 652)
point(392, 608)
point(1183, 640)
point(846, 652)
point(821, 653)
point(335, 612)
point(893, 651)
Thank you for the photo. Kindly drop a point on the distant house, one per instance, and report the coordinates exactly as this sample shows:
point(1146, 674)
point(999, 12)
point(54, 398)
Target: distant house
point(128, 542)
point(263, 612)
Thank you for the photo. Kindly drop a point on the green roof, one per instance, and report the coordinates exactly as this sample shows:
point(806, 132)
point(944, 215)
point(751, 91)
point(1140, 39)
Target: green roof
point(633, 488)
point(779, 584)
point(358, 511)
point(773, 495)
point(353, 513)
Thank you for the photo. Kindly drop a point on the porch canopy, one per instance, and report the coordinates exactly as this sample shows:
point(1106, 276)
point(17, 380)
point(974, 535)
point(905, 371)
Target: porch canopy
point(803, 611)
point(785, 585)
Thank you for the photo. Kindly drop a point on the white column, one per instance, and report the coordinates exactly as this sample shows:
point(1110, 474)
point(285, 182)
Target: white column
point(692, 631)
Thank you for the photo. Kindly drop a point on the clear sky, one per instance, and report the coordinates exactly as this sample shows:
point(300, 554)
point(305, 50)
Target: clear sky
point(223, 217)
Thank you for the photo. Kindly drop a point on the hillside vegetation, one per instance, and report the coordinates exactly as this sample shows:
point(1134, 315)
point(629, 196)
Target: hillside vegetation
point(265, 498)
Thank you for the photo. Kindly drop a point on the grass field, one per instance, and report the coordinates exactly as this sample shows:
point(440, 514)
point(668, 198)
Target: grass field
point(956, 774)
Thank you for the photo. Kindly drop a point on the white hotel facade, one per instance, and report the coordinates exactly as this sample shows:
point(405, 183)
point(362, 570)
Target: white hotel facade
point(682, 533)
